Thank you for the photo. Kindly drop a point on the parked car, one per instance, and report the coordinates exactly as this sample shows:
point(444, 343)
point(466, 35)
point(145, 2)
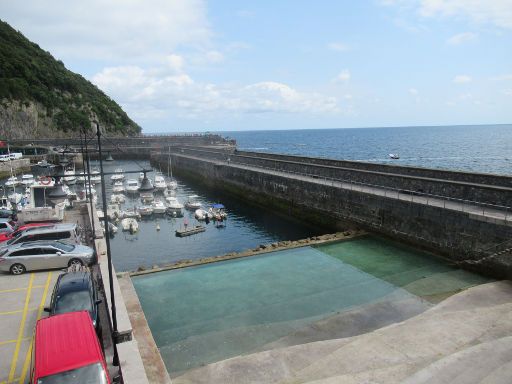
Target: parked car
point(67, 350)
point(67, 232)
point(7, 226)
point(9, 235)
point(35, 255)
point(75, 291)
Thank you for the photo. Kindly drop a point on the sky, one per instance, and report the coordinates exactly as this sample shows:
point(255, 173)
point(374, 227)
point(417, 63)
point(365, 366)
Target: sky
point(195, 65)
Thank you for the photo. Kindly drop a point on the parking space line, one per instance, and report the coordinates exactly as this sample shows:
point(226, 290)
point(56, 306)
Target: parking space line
point(19, 289)
point(39, 314)
point(21, 329)
point(17, 311)
point(7, 382)
point(13, 341)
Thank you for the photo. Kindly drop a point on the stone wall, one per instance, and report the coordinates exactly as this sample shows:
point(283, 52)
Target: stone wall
point(18, 166)
point(456, 235)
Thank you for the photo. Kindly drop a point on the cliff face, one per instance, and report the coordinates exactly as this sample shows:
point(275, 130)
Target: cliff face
point(39, 97)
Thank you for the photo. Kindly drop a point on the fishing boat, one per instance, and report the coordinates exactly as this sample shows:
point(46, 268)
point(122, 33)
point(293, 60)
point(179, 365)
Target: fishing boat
point(117, 176)
point(118, 187)
point(158, 207)
point(145, 210)
point(394, 156)
point(27, 180)
point(130, 224)
point(182, 232)
point(174, 207)
point(159, 183)
point(192, 203)
point(132, 186)
point(218, 212)
point(12, 182)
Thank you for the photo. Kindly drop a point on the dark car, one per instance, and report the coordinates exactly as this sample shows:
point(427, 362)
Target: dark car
point(75, 291)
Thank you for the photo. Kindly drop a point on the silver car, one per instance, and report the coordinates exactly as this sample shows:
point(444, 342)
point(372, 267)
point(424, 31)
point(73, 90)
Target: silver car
point(34, 255)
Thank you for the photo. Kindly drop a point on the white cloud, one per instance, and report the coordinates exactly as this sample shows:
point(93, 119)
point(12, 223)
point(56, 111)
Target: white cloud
point(111, 30)
point(461, 38)
point(505, 77)
point(497, 12)
point(413, 92)
point(214, 56)
point(144, 92)
point(343, 76)
point(462, 79)
point(338, 47)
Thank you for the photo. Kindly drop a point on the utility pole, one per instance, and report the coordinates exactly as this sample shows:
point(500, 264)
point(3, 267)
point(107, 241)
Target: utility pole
point(109, 254)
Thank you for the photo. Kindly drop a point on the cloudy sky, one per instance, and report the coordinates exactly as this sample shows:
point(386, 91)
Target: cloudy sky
point(194, 65)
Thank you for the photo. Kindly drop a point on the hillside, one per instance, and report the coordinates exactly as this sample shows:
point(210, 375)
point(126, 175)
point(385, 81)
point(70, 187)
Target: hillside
point(39, 97)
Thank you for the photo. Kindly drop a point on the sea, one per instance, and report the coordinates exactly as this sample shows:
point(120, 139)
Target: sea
point(473, 148)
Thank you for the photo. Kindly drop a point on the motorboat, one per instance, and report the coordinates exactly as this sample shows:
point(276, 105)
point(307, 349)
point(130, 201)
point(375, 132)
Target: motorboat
point(27, 180)
point(132, 186)
point(201, 214)
point(160, 184)
point(158, 207)
point(45, 164)
point(218, 212)
point(174, 207)
point(130, 225)
point(192, 203)
point(12, 182)
point(145, 210)
point(118, 187)
point(169, 193)
point(141, 176)
point(69, 177)
point(130, 213)
point(147, 197)
point(117, 198)
point(95, 176)
point(172, 184)
point(112, 229)
point(81, 177)
point(117, 176)
point(394, 156)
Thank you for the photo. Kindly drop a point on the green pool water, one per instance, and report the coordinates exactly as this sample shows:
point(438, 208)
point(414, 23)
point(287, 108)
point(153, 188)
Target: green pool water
point(204, 314)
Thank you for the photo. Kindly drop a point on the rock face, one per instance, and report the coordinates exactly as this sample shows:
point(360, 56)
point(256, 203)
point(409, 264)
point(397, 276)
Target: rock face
point(22, 120)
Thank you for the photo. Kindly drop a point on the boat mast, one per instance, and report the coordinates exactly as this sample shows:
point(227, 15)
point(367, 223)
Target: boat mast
point(170, 163)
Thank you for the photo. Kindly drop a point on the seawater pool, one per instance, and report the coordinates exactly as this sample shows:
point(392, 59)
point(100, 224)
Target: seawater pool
point(200, 315)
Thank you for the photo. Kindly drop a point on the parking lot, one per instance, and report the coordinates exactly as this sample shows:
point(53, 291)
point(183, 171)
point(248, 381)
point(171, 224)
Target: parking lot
point(22, 299)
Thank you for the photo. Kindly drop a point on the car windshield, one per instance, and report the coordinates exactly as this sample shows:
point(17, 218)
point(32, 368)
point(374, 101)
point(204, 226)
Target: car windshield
point(90, 374)
point(64, 246)
point(73, 301)
point(13, 239)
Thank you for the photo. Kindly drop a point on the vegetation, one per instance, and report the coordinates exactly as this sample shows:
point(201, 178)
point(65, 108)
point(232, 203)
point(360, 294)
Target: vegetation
point(30, 74)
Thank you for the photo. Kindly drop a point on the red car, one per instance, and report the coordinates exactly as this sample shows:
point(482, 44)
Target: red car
point(10, 235)
point(67, 350)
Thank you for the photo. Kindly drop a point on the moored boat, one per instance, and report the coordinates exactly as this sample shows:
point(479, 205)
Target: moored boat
point(130, 224)
point(117, 176)
point(118, 187)
point(174, 207)
point(201, 214)
point(132, 186)
point(159, 183)
point(192, 203)
point(27, 180)
point(12, 182)
point(145, 210)
point(158, 207)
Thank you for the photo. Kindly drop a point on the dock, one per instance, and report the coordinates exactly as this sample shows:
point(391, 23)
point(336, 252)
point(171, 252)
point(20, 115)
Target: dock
point(191, 231)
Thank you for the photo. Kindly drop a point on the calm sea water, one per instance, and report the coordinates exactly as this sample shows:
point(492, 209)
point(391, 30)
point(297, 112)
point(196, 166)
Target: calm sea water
point(481, 148)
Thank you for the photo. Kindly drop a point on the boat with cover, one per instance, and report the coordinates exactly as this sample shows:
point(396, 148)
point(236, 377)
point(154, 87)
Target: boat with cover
point(130, 224)
point(192, 203)
point(132, 186)
point(201, 214)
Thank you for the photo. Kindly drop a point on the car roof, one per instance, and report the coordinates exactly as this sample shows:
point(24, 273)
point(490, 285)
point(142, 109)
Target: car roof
point(74, 281)
point(71, 332)
point(38, 243)
point(50, 228)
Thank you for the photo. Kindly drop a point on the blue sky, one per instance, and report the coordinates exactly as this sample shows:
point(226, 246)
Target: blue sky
point(228, 65)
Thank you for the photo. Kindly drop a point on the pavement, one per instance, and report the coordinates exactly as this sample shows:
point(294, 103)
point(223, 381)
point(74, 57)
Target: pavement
point(22, 299)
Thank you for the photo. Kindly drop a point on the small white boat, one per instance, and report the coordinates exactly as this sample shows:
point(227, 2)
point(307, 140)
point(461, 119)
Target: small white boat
point(118, 175)
point(118, 187)
point(160, 184)
point(192, 203)
point(158, 206)
point(95, 176)
point(117, 198)
point(201, 214)
point(132, 186)
point(141, 176)
point(44, 164)
point(172, 185)
point(130, 213)
point(69, 177)
point(394, 156)
point(27, 180)
point(145, 210)
point(147, 197)
point(130, 224)
point(12, 182)
point(174, 207)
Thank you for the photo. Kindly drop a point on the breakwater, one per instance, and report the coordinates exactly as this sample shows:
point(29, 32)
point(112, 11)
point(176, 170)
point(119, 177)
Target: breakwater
point(462, 216)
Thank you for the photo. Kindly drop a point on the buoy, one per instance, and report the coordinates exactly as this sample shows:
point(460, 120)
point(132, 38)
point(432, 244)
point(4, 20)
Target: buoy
point(157, 226)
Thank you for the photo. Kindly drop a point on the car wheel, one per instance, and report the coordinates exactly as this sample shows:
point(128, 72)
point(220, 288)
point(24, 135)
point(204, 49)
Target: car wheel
point(75, 262)
point(18, 269)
